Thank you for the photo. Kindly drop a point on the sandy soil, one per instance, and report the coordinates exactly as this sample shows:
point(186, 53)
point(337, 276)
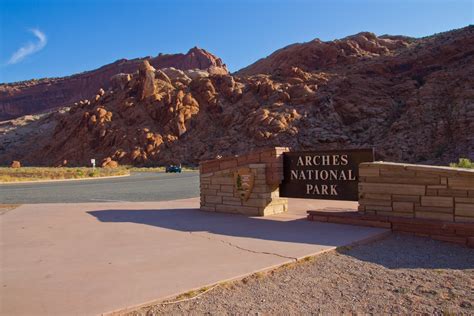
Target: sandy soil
point(4, 208)
point(398, 275)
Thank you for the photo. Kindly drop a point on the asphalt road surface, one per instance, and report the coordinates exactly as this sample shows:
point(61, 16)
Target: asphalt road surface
point(139, 187)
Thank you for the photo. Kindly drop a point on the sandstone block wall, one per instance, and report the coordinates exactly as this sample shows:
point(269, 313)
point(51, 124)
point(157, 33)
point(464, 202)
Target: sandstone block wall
point(218, 190)
point(416, 191)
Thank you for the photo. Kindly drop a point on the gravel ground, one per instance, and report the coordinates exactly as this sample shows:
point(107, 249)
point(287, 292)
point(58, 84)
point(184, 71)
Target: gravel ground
point(398, 275)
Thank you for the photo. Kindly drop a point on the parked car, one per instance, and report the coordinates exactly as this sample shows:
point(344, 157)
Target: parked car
point(173, 169)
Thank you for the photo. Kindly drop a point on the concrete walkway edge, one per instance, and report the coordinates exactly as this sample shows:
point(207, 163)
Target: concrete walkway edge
point(157, 301)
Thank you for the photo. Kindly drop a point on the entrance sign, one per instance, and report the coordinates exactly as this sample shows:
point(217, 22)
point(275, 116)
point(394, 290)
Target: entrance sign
point(330, 174)
point(243, 181)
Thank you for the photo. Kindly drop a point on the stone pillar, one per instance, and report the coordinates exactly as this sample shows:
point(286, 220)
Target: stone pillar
point(220, 188)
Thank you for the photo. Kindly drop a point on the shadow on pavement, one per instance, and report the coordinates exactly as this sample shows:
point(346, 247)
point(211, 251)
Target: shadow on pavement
point(397, 251)
point(194, 220)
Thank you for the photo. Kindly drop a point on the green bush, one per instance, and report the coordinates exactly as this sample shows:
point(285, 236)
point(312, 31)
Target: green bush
point(463, 163)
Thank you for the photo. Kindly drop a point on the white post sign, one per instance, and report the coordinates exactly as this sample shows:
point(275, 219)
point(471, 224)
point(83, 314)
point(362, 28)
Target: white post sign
point(93, 163)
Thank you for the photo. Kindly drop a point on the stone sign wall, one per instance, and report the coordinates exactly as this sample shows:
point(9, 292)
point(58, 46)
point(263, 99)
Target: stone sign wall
point(416, 191)
point(246, 184)
point(430, 201)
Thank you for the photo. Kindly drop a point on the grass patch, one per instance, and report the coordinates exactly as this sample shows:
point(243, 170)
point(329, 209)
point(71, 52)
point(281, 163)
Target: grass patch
point(308, 259)
point(463, 163)
point(157, 169)
point(60, 173)
point(259, 275)
point(188, 295)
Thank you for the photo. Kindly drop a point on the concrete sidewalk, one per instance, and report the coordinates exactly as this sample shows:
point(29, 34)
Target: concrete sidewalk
point(92, 258)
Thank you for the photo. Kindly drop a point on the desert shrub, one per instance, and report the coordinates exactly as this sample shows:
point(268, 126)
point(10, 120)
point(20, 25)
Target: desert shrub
point(463, 163)
point(8, 174)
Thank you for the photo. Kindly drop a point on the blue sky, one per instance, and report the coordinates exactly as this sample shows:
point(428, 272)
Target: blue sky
point(52, 38)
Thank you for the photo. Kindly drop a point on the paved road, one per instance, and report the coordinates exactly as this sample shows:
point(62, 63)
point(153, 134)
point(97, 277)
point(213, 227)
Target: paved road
point(147, 186)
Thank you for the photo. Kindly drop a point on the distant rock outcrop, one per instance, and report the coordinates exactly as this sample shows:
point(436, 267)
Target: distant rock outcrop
point(34, 96)
point(318, 55)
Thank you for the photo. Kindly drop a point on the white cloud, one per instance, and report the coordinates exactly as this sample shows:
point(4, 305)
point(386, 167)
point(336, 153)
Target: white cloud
point(29, 48)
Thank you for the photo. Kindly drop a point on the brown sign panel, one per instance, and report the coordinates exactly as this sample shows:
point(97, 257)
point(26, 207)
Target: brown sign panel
point(330, 174)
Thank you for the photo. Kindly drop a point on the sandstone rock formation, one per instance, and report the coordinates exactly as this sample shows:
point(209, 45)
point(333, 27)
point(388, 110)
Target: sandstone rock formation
point(411, 99)
point(147, 86)
point(34, 96)
point(15, 164)
point(109, 163)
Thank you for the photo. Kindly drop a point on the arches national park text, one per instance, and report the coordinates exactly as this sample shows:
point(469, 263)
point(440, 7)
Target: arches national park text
point(323, 175)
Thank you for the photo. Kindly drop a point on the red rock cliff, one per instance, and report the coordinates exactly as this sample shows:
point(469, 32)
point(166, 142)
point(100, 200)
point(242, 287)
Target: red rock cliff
point(33, 96)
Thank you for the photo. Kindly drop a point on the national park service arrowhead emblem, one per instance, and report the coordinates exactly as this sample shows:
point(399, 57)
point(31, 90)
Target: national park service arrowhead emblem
point(243, 181)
